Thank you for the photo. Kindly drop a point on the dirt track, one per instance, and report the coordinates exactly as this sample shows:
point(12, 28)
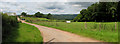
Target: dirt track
point(56, 35)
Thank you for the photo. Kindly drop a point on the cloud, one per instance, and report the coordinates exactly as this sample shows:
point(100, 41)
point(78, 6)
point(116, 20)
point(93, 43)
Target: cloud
point(82, 0)
point(49, 0)
point(8, 0)
point(44, 7)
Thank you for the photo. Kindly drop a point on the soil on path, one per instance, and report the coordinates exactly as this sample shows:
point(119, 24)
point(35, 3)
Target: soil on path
point(56, 35)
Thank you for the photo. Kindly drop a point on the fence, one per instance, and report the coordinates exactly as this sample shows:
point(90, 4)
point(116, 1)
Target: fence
point(102, 26)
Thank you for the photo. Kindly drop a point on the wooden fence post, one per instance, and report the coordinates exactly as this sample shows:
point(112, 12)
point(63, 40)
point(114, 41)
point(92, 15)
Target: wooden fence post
point(99, 26)
point(85, 25)
point(56, 24)
point(115, 26)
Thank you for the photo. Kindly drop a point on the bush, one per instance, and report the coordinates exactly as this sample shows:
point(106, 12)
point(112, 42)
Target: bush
point(9, 24)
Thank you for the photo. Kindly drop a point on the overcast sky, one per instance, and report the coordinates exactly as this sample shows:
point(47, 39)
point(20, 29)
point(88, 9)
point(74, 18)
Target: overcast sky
point(46, 6)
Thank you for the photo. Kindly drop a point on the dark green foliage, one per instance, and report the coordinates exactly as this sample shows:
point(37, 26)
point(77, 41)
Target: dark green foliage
point(23, 13)
point(99, 12)
point(40, 15)
point(49, 16)
point(9, 25)
point(30, 16)
point(118, 11)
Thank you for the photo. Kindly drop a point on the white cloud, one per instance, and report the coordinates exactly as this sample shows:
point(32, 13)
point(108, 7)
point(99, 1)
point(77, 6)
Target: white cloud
point(8, 0)
point(49, 0)
point(76, 5)
point(82, 0)
point(59, 0)
point(44, 7)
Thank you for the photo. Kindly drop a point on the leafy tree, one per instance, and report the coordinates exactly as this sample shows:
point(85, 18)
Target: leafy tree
point(100, 12)
point(11, 23)
point(23, 13)
point(118, 11)
point(49, 16)
point(77, 18)
point(38, 14)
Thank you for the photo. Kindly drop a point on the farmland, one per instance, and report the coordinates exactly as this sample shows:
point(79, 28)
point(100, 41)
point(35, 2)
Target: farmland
point(29, 34)
point(14, 31)
point(57, 21)
point(104, 31)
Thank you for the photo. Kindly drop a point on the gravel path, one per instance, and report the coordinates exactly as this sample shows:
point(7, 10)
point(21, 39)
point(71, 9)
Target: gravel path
point(56, 35)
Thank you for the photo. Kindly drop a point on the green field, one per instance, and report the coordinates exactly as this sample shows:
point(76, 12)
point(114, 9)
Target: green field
point(103, 31)
point(25, 33)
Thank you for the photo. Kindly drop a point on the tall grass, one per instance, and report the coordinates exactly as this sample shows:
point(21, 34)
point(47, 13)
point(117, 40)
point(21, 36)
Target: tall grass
point(18, 33)
point(107, 32)
point(28, 33)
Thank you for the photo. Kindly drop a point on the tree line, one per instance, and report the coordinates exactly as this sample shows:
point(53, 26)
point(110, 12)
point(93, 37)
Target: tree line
point(100, 12)
point(38, 14)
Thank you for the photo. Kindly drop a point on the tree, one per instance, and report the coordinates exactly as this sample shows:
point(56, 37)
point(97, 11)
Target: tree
point(102, 12)
point(118, 11)
point(38, 14)
point(11, 23)
point(49, 16)
point(23, 13)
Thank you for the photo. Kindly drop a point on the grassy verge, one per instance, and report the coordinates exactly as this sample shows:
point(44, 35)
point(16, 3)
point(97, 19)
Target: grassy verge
point(104, 32)
point(78, 28)
point(25, 33)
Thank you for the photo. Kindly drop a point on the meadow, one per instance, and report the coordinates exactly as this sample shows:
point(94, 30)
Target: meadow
point(103, 31)
point(25, 33)
point(17, 32)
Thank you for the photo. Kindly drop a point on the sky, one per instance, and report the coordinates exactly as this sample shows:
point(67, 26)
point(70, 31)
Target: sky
point(46, 6)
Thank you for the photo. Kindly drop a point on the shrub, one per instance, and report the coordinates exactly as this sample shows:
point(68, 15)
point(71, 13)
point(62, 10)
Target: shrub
point(9, 24)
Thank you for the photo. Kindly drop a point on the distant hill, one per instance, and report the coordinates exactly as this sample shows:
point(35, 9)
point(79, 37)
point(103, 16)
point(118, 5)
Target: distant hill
point(64, 16)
